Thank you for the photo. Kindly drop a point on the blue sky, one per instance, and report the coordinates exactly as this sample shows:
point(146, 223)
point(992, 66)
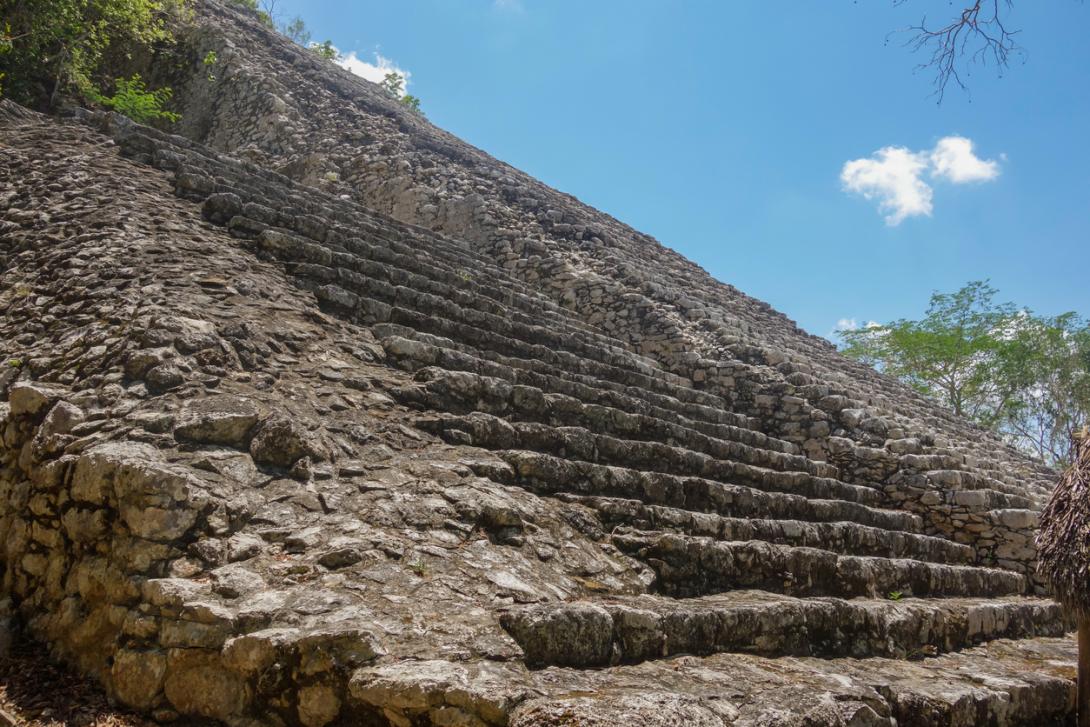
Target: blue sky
point(722, 127)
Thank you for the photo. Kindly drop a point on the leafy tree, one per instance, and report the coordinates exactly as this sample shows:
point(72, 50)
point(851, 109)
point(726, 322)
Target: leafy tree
point(1026, 377)
point(325, 50)
point(54, 47)
point(1047, 360)
point(296, 31)
point(948, 355)
point(262, 12)
point(393, 83)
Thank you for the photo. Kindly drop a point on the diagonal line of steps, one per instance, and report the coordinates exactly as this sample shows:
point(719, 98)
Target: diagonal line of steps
point(712, 506)
point(1002, 683)
point(304, 208)
point(304, 242)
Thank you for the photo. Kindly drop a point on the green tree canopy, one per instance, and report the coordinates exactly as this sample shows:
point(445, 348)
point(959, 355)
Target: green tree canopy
point(58, 46)
point(296, 31)
point(1024, 376)
point(1047, 362)
point(325, 50)
point(393, 83)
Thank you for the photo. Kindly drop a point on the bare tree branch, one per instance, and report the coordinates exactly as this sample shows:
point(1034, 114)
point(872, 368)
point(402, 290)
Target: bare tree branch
point(271, 8)
point(979, 34)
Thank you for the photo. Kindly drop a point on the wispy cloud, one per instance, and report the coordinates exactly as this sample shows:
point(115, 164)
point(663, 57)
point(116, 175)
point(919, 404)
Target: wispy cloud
point(374, 72)
point(893, 175)
point(508, 5)
point(851, 324)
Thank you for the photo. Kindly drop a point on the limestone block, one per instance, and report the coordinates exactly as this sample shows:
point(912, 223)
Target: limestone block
point(138, 676)
point(217, 420)
point(32, 399)
point(281, 442)
point(197, 683)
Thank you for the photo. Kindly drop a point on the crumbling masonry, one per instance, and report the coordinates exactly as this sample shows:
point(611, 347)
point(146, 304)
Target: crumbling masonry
point(314, 412)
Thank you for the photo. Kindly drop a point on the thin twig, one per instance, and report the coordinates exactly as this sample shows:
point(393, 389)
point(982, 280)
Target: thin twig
point(979, 33)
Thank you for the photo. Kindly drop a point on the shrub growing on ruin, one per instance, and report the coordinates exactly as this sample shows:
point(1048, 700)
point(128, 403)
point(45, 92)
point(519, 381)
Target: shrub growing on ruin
point(209, 62)
point(259, 12)
point(296, 31)
point(325, 50)
point(393, 84)
point(52, 48)
point(5, 48)
point(132, 98)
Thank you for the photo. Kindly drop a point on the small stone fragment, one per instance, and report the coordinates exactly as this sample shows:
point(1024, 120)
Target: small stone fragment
point(281, 442)
point(164, 377)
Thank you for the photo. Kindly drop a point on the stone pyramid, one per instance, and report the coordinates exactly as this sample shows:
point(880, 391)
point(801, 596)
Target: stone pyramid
point(316, 415)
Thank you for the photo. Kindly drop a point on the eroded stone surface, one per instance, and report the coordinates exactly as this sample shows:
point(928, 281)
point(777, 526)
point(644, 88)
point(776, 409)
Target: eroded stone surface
point(269, 456)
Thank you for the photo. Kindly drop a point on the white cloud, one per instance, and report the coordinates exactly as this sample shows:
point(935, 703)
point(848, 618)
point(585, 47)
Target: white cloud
point(851, 324)
point(374, 72)
point(953, 159)
point(893, 175)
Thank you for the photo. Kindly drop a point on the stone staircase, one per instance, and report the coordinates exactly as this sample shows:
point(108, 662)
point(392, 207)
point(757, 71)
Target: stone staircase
point(317, 124)
point(283, 108)
point(737, 580)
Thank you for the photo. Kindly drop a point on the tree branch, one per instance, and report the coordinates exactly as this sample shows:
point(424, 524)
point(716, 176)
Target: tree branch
point(979, 33)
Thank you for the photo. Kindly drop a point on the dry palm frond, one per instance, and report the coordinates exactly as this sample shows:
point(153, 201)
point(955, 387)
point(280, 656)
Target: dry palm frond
point(1063, 542)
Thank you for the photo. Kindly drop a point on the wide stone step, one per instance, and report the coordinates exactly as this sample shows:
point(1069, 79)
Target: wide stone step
point(1002, 683)
point(462, 392)
point(320, 204)
point(491, 432)
point(688, 566)
point(382, 261)
point(548, 475)
point(416, 351)
point(365, 280)
point(639, 628)
point(980, 491)
point(845, 537)
point(431, 314)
